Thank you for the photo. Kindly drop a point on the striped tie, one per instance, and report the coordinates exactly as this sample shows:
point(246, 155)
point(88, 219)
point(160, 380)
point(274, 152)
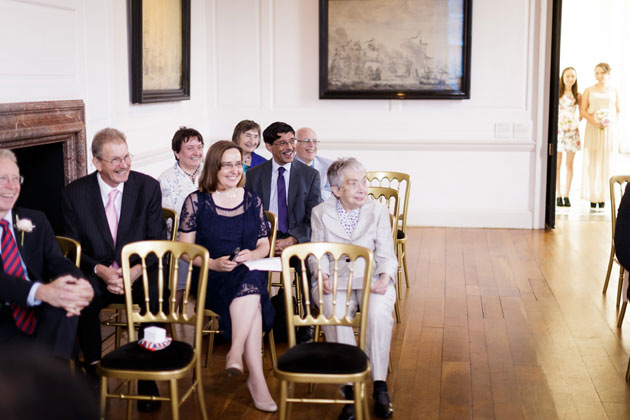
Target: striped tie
point(12, 263)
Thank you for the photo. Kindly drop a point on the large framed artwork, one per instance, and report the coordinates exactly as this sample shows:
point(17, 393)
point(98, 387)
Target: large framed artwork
point(160, 50)
point(386, 49)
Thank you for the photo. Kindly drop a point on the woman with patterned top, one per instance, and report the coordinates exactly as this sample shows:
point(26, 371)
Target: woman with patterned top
point(349, 216)
point(568, 134)
point(180, 180)
point(229, 221)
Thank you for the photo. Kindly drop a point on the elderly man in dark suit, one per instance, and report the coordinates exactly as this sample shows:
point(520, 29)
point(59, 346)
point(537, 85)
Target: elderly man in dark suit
point(104, 211)
point(33, 307)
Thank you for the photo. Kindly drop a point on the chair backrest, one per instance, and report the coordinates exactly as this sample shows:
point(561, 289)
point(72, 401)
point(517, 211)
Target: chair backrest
point(617, 188)
point(388, 196)
point(70, 248)
point(273, 231)
point(156, 252)
point(338, 258)
point(171, 219)
point(400, 182)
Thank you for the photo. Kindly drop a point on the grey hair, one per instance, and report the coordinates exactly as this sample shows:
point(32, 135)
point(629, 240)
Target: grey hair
point(104, 136)
point(8, 154)
point(336, 169)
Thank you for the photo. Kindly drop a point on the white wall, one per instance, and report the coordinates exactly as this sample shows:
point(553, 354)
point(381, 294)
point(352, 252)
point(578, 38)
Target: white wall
point(258, 59)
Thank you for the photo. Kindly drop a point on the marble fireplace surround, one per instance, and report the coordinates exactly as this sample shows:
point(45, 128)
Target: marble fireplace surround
point(27, 124)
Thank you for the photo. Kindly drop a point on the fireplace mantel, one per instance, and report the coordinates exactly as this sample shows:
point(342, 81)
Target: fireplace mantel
point(27, 124)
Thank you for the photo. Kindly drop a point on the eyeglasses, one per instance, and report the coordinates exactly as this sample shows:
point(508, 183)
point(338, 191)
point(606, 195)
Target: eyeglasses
point(284, 143)
point(231, 165)
point(11, 180)
point(355, 183)
point(314, 141)
point(117, 161)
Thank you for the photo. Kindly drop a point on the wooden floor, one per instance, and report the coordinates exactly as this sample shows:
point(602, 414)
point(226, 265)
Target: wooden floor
point(497, 324)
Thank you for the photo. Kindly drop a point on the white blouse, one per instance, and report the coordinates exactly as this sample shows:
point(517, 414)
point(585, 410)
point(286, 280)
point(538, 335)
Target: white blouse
point(176, 186)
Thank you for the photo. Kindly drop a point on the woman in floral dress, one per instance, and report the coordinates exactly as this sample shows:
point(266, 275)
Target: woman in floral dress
point(568, 134)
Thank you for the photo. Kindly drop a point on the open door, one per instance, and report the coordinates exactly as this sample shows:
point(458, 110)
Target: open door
point(552, 137)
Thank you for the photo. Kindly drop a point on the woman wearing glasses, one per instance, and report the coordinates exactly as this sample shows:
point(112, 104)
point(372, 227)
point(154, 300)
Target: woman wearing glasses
point(229, 221)
point(247, 136)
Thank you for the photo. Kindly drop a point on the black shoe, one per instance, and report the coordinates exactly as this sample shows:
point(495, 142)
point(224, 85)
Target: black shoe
point(567, 202)
point(148, 388)
point(593, 205)
point(559, 202)
point(92, 377)
point(305, 334)
point(601, 205)
point(383, 405)
point(347, 412)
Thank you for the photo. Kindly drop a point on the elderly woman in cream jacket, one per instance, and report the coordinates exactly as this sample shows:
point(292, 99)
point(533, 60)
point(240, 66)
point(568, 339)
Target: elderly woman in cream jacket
point(349, 216)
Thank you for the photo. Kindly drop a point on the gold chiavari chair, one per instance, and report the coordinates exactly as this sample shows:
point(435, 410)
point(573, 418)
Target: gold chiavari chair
point(273, 231)
point(617, 187)
point(401, 182)
point(325, 362)
point(131, 362)
point(172, 222)
point(70, 249)
point(389, 197)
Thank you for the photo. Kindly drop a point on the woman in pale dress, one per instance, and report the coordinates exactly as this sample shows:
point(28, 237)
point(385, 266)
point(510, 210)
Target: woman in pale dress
point(181, 179)
point(568, 134)
point(600, 107)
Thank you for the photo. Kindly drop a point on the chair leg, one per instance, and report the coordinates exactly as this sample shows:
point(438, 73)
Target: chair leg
point(404, 259)
point(610, 262)
point(282, 408)
point(397, 311)
point(620, 285)
point(358, 400)
point(290, 392)
point(130, 384)
point(174, 400)
point(628, 371)
point(399, 274)
point(622, 313)
point(210, 342)
point(200, 395)
point(118, 329)
point(272, 349)
point(103, 396)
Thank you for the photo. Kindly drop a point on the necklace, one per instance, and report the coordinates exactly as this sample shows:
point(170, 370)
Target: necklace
point(191, 176)
point(227, 195)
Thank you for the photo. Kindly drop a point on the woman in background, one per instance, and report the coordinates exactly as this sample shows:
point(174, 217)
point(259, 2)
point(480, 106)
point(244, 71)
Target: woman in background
point(229, 221)
point(180, 180)
point(600, 107)
point(247, 136)
point(568, 134)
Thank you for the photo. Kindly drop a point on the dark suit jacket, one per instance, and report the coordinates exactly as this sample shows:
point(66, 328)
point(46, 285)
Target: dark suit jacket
point(622, 230)
point(303, 194)
point(41, 255)
point(85, 220)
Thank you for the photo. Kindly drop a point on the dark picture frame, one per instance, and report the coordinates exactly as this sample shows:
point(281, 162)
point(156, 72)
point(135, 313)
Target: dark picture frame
point(371, 49)
point(159, 72)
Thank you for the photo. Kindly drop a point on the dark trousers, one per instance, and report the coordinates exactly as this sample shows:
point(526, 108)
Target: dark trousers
point(55, 331)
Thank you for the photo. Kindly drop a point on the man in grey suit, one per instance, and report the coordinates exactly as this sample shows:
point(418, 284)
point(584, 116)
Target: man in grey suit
point(299, 186)
point(306, 152)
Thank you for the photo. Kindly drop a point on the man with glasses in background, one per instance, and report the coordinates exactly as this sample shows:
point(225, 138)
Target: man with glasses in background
point(306, 152)
point(289, 189)
point(105, 211)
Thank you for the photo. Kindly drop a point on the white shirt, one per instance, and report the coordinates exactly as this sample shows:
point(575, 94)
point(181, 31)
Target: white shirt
point(176, 186)
point(106, 189)
point(321, 164)
point(273, 196)
point(30, 299)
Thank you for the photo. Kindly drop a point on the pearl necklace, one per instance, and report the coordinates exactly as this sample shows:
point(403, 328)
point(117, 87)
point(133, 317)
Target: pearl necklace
point(226, 195)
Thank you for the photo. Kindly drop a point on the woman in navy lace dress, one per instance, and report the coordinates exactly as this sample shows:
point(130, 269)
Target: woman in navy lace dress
point(224, 217)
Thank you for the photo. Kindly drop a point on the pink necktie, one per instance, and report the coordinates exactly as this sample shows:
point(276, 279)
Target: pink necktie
point(110, 212)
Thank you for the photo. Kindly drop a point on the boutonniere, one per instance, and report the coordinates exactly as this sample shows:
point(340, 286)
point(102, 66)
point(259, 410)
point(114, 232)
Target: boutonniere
point(23, 225)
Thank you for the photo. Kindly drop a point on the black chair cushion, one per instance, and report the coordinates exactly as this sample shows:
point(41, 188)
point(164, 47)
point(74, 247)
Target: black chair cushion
point(400, 234)
point(322, 358)
point(133, 357)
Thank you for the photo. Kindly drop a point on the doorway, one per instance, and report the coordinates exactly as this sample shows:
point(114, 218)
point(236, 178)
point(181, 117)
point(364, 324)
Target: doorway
point(585, 33)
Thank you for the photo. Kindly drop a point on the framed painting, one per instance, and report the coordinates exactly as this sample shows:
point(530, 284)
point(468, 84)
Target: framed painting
point(160, 50)
point(394, 49)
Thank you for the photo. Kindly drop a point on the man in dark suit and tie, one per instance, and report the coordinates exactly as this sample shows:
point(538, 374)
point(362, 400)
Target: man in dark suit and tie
point(289, 189)
point(104, 211)
point(33, 306)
